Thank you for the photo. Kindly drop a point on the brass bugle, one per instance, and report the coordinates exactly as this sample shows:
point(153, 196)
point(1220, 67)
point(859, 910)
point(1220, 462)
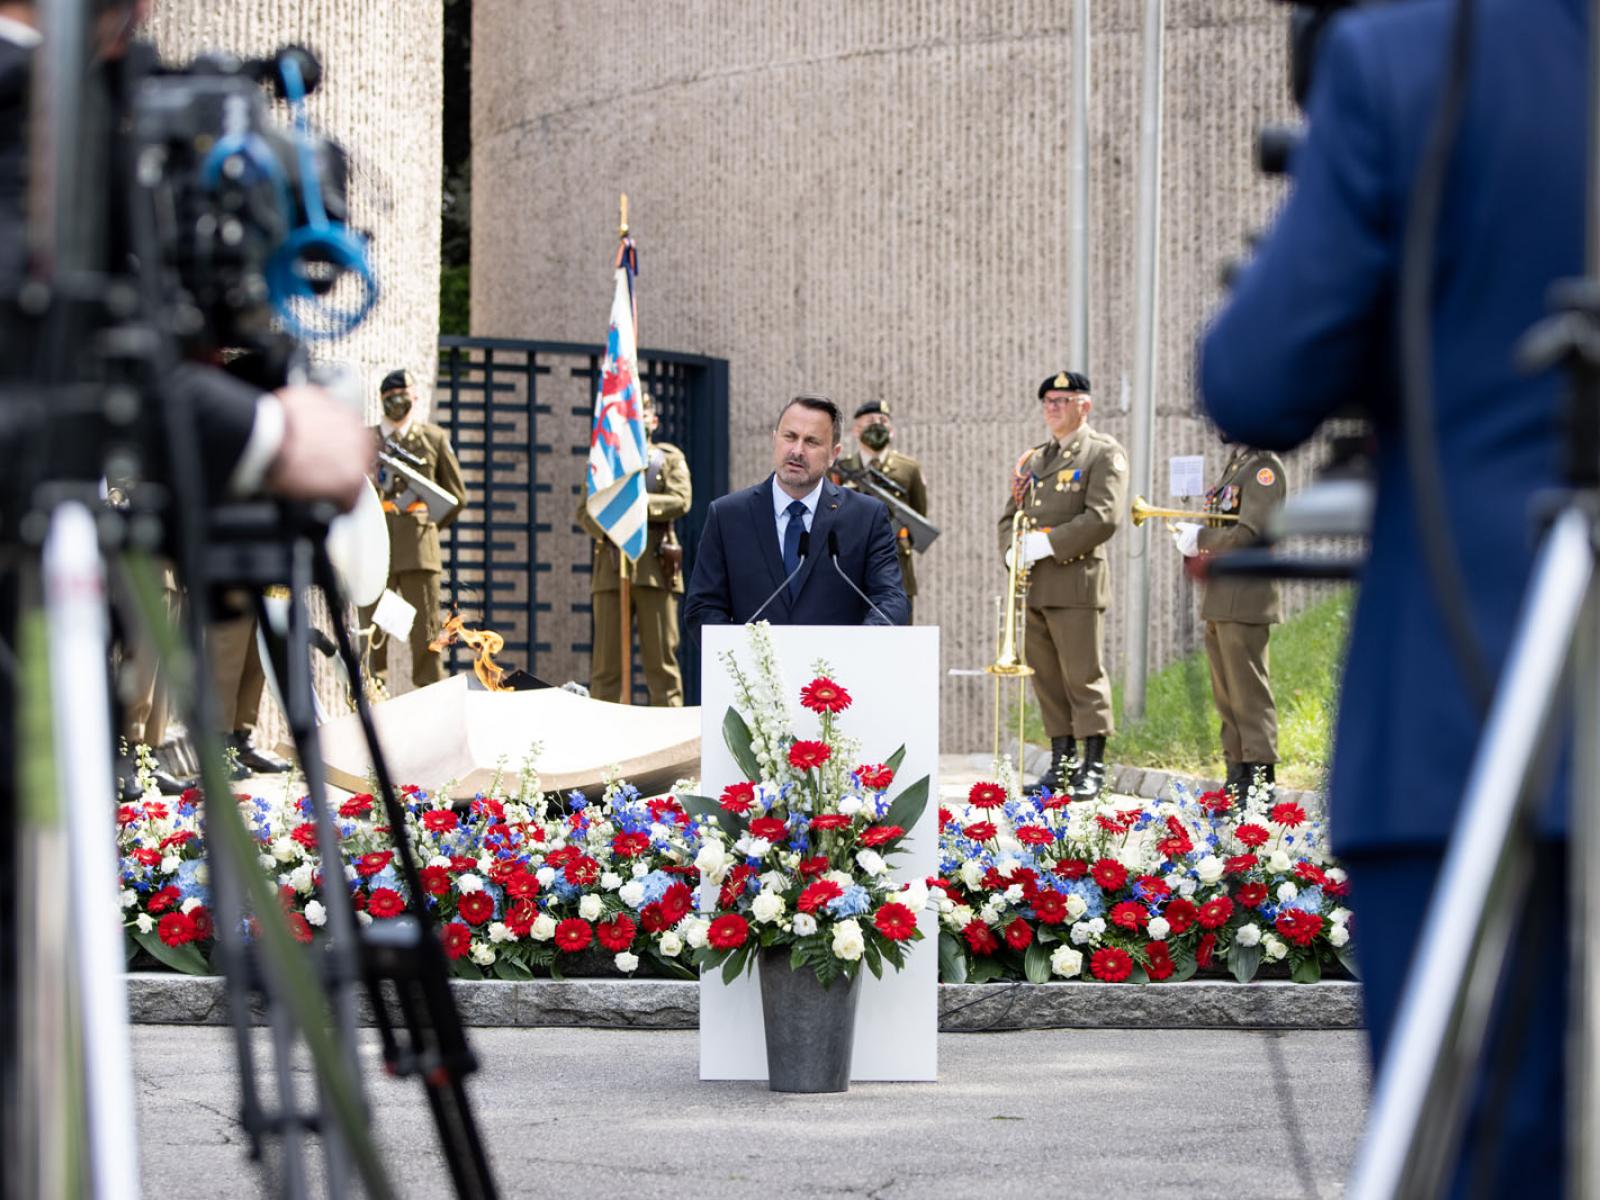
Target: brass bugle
point(1142, 512)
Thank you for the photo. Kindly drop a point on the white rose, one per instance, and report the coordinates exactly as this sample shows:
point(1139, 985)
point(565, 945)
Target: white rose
point(1337, 875)
point(871, 862)
point(302, 879)
point(169, 864)
point(767, 907)
point(1209, 869)
point(469, 883)
point(1248, 935)
point(627, 963)
point(971, 873)
point(202, 874)
point(773, 881)
point(1076, 906)
point(914, 896)
point(670, 944)
point(694, 931)
point(545, 875)
point(610, 881)
point(364, 919)
point(129, 897)
point(285, 849)
point(960, 915)
point(1158, 929)
point(544, 927)
point(482, 954)
point(589, 907)
point(804, 925)
point(1066, 962)
point(315, 913)
point(1339, 915)
point(848, 943)
point(712, 861)
point(1013, 894)
point(632, 893)
point(1278, 863)
point(1276, 950)
point(189, 905)
point(757, 847)
point(439, 860)
point(145, 922)
point(1339, 935)
point(1287, 892)
point(850, 805)
point(499, 932)
point(640, 870)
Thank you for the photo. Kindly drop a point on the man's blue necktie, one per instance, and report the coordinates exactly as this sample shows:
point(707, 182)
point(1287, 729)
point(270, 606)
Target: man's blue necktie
point(791, 541)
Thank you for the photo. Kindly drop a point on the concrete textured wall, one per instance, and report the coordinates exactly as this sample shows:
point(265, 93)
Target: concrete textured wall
point(381, 98)
point(869, 199)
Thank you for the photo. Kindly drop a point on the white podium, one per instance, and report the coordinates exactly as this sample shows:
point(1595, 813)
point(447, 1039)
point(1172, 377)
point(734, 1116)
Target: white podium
point(892, 675)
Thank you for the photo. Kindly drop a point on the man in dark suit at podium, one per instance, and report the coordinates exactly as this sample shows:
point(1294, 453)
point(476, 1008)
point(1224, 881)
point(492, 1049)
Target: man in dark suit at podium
point(772, 550)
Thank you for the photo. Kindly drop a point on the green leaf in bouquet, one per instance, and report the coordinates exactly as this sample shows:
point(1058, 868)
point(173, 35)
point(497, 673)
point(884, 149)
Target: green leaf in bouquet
point(1347, 960)
point(671, 966)
point(892, 952)
point(129, 947)
point(1244, 961)
point(1036, 963)
point(1045, 935)
point(1186, 966)
point(797, 957)
point(908, 806)
point(736, 963)
point(186, 958)
point(704, 807)
point(511, 969)
point(874, 961)
point(985, 969)
point(1307, 970)
point(952, 962)
point(465, 968)
point(740, 744)
point(895, 759)
point(1140, 976)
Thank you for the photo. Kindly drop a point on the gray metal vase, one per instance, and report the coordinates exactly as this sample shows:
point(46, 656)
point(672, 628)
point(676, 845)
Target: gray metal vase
point(810, 1029)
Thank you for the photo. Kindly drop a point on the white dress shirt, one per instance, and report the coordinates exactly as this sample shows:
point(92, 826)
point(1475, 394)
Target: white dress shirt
point(780, 505)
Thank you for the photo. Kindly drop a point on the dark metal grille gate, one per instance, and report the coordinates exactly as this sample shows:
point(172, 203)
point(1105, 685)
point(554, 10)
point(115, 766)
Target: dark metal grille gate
point(518, 414)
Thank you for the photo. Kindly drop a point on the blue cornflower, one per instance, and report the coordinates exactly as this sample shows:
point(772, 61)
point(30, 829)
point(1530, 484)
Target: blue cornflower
point(577, 801)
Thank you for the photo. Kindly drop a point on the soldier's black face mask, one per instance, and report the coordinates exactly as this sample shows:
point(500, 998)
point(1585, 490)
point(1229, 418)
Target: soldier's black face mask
point(396, 405)
point(875, 436)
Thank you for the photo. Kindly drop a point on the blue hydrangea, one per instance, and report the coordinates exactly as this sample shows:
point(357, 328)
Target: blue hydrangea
point(1309, 901)
point(577, 801)
point(188, 886)
point(852, 903)
point(1088, 891)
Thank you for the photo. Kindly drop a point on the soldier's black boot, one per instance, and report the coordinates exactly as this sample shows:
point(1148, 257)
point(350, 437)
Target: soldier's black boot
point(1063, 760)
point(1237, 782)
point(1090, 776)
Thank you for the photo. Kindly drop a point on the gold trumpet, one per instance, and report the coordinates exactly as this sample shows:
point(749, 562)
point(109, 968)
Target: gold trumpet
point(1142, 512)
point(1010, 661)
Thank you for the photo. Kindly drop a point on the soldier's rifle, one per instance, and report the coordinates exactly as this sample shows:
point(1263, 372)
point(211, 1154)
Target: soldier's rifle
point(400, 472)
point(918, 529)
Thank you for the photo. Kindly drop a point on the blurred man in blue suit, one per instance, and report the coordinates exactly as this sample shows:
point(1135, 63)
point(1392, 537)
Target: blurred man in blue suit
point(752, 540)
point(1312, 326)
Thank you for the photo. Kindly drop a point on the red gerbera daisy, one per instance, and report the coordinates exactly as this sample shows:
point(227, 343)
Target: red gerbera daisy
point(1129, 914)
point(573, 934)
point(475, 907)
point(773, 829)
point(728, 932)
point(823, 695)
point(1288, 814)
point(457, 940)
point(1071, 868)
point(581, 871)
point(1181, 914)
point(823, 822)
point(1110, 965)
point(879, 835)
point(980, 938)
point(1252, 835)
point(1034, 835)
point(1050, 907)
point(986, 795)
point(1298, 927)
point(299, 928)
point(439, 820)
point(895, 921)
point(616, 934)
point(981, 831)
point(738, 797)
point(805, 755)
point(357, 806)
point(815, 895)
point(630, 845)
point(369, 865)
point(1158, 963)
point(875, 776)
point(1109, 874)
point(1214, 913)
point(435, 880)
point(1018, 934)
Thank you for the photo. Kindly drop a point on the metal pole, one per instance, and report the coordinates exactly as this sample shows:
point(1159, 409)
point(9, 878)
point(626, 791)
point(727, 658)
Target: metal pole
point(1078, 267)
point(1142, 447)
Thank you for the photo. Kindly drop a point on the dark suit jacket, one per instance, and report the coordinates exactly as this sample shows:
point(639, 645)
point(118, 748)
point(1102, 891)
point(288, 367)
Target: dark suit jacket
point(1312, 325)
point(738, 563)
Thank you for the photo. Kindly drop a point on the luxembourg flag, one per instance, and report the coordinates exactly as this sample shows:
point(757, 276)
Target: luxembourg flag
point(617, 458)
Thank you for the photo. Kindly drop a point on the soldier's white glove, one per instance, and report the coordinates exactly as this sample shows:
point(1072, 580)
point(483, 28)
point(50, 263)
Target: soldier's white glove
point(1035, 545)
point(1186, 537)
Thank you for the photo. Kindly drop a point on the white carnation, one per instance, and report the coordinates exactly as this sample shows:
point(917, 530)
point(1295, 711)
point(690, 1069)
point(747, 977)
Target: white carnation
point(848, 942)
point(1287, 892)
point(1066, 962)
point(1339, 935)
point(1158, 929)
point(670, 944)
point(1248, 935)
point(1082, 934)
point(1209, 869)
point(640, 870)
point(1188, 887)
point(914, 896)
point(1337, 875)
point(610, 881)
point(189, 905)
point(129, 897)
point(757, 847)
point(482, 954)
point(627, 963)
point(1013, 894)
point(871, 862)
point(545, 875)
point(169, 864)
point(544, 927)
point(971, 873)
point(632, 893)
point(145, 922)
point(302, 879)
point(804, 925)
point(767, 907)
point(589, 907)
point(500, 932)
point(315, 913)
point(439, 860)
point(469, 883)
point(850, 805)
point(1339, 915)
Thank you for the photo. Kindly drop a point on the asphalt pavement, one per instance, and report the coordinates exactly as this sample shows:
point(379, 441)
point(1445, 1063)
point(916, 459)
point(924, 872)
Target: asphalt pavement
point(604, 1113)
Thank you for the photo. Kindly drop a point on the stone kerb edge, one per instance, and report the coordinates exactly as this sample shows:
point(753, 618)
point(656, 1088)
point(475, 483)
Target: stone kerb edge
point(161, 999)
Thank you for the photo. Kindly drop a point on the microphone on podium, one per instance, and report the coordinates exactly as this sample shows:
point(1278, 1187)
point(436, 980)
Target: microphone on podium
point(833, 554)
point(805, 551)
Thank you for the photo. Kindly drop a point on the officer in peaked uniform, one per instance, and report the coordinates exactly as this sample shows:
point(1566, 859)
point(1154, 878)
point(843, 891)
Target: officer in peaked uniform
point(414, 560)
point(873, 432)
point(1073, 489)
point(654, 586)
point(1239, 614)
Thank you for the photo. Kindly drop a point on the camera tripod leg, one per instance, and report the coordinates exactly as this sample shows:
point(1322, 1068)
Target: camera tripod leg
point(1420, 1094)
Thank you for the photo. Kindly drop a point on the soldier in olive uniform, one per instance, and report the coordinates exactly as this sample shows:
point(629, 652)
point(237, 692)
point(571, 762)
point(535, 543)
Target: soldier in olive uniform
point(1239, 615)
point(873, 432)
point(239, 678)
point(1073, 490)
point(655, 582)
point(414, 559)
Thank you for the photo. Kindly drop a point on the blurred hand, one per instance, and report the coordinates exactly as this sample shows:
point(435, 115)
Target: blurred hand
point(326, 452)
point(1186, 536)
point(1035, 545)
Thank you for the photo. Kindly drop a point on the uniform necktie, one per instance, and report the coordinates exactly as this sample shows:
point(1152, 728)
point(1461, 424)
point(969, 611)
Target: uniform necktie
point(791, 541)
